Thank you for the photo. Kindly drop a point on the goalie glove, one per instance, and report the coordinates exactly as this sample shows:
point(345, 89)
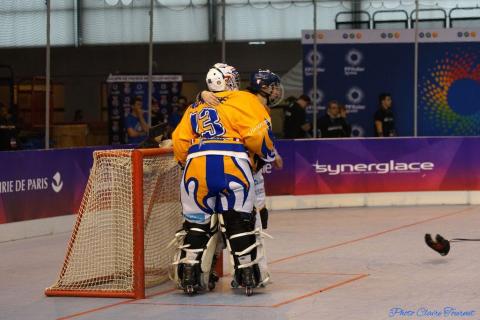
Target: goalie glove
point(440, 244)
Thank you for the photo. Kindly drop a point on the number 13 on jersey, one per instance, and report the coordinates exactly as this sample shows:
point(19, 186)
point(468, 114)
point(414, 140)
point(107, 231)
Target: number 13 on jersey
point(206, 123)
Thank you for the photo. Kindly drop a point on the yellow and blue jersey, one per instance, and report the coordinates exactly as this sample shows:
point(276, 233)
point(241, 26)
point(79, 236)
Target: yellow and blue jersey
point(239, 124)
point(214, 143)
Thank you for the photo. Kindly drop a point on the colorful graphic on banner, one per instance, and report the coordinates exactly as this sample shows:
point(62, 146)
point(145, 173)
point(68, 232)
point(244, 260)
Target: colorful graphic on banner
point(450, 90)
point(122, 92)
point(378, 165)
point(354, 67)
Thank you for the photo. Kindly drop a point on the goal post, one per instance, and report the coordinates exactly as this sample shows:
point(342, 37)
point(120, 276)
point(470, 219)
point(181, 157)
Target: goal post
point(128, 215)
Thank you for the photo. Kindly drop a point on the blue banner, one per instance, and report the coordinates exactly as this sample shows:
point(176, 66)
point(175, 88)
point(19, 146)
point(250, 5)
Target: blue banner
point(122, 92)
point(355, 75)
point(355, 66)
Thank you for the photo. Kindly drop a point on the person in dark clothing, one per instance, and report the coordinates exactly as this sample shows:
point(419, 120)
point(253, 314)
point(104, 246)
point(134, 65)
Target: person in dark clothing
point(384, 120)
point(295, 125)
point(157, 116)
point(343, 115)
point(332, 125)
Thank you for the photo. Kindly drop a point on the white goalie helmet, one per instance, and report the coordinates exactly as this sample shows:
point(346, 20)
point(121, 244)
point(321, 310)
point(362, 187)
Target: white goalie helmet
point(222, 77)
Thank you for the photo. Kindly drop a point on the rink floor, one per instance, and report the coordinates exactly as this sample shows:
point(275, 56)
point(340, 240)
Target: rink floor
point(345, 263)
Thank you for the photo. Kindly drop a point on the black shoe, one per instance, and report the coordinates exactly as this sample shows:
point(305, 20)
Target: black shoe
point(248, 280)
point(189, 276)
point(248, 277)
point(189, 279)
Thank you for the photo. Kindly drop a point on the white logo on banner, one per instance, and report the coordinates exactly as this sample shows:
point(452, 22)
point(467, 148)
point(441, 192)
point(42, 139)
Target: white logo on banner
point(309, 65)
point(373, 168)
point(267, 169)
point(355, 97)
point(358, 131)
point(57, 183)
point(320, 97)
point(126, 88)
point(22, 185)
point(354, 59)
point(310, 56)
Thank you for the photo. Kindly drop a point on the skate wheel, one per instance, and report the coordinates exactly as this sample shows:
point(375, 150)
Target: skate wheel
point(234, 284)
point(248, 291)
point(189, 290)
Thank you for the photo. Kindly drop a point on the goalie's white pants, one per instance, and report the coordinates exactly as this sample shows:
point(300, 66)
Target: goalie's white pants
point(259, 204)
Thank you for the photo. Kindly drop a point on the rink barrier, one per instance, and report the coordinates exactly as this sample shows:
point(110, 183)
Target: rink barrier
point(64, 224)
point(321, 173)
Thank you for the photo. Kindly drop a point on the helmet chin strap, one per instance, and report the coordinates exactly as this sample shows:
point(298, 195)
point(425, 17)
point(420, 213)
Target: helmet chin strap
point(266, 95)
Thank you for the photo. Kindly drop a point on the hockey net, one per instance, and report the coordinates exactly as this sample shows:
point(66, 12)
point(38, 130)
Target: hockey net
point(129, 213)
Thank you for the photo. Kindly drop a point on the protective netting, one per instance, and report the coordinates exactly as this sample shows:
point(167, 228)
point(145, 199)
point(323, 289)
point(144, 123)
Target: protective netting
point(100, 255)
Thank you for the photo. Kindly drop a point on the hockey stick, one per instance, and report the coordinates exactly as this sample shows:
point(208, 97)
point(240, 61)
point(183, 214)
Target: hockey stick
point(442, 245)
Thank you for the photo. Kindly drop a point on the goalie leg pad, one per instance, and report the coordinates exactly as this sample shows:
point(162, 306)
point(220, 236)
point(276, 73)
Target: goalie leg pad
point(196, 245)
point(245, 245)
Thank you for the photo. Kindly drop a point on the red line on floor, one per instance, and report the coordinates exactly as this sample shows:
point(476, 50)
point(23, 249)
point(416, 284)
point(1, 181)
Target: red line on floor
point(113, 305)
point(94, 310)
point(369, 236)
point(336, 285)
point(201, 305)
point(289, 258)
point(318, 273)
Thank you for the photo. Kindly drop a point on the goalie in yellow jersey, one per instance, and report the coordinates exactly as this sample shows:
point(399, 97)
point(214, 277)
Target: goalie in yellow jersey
point(213, 146)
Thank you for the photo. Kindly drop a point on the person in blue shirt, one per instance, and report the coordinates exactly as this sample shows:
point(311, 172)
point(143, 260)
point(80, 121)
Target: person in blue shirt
point(136, 123)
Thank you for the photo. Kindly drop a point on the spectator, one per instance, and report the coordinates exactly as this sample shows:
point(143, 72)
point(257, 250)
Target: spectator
point(8, 130)
point(137, 127)
point(295, 125)
point(343, 115)
point(384, 120)
point(332, 125)
point(178, 109)
point(157, 116)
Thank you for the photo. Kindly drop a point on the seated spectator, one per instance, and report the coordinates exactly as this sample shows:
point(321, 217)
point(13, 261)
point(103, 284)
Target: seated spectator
point(136, 123)
point(384, 120)
point(178, 109)
point(8, 130)
point(295, 124)
point(332, 125)
point(343, 115)
point(157, 116)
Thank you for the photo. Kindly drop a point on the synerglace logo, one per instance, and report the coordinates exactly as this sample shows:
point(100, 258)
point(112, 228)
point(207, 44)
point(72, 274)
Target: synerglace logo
point(373, 168)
